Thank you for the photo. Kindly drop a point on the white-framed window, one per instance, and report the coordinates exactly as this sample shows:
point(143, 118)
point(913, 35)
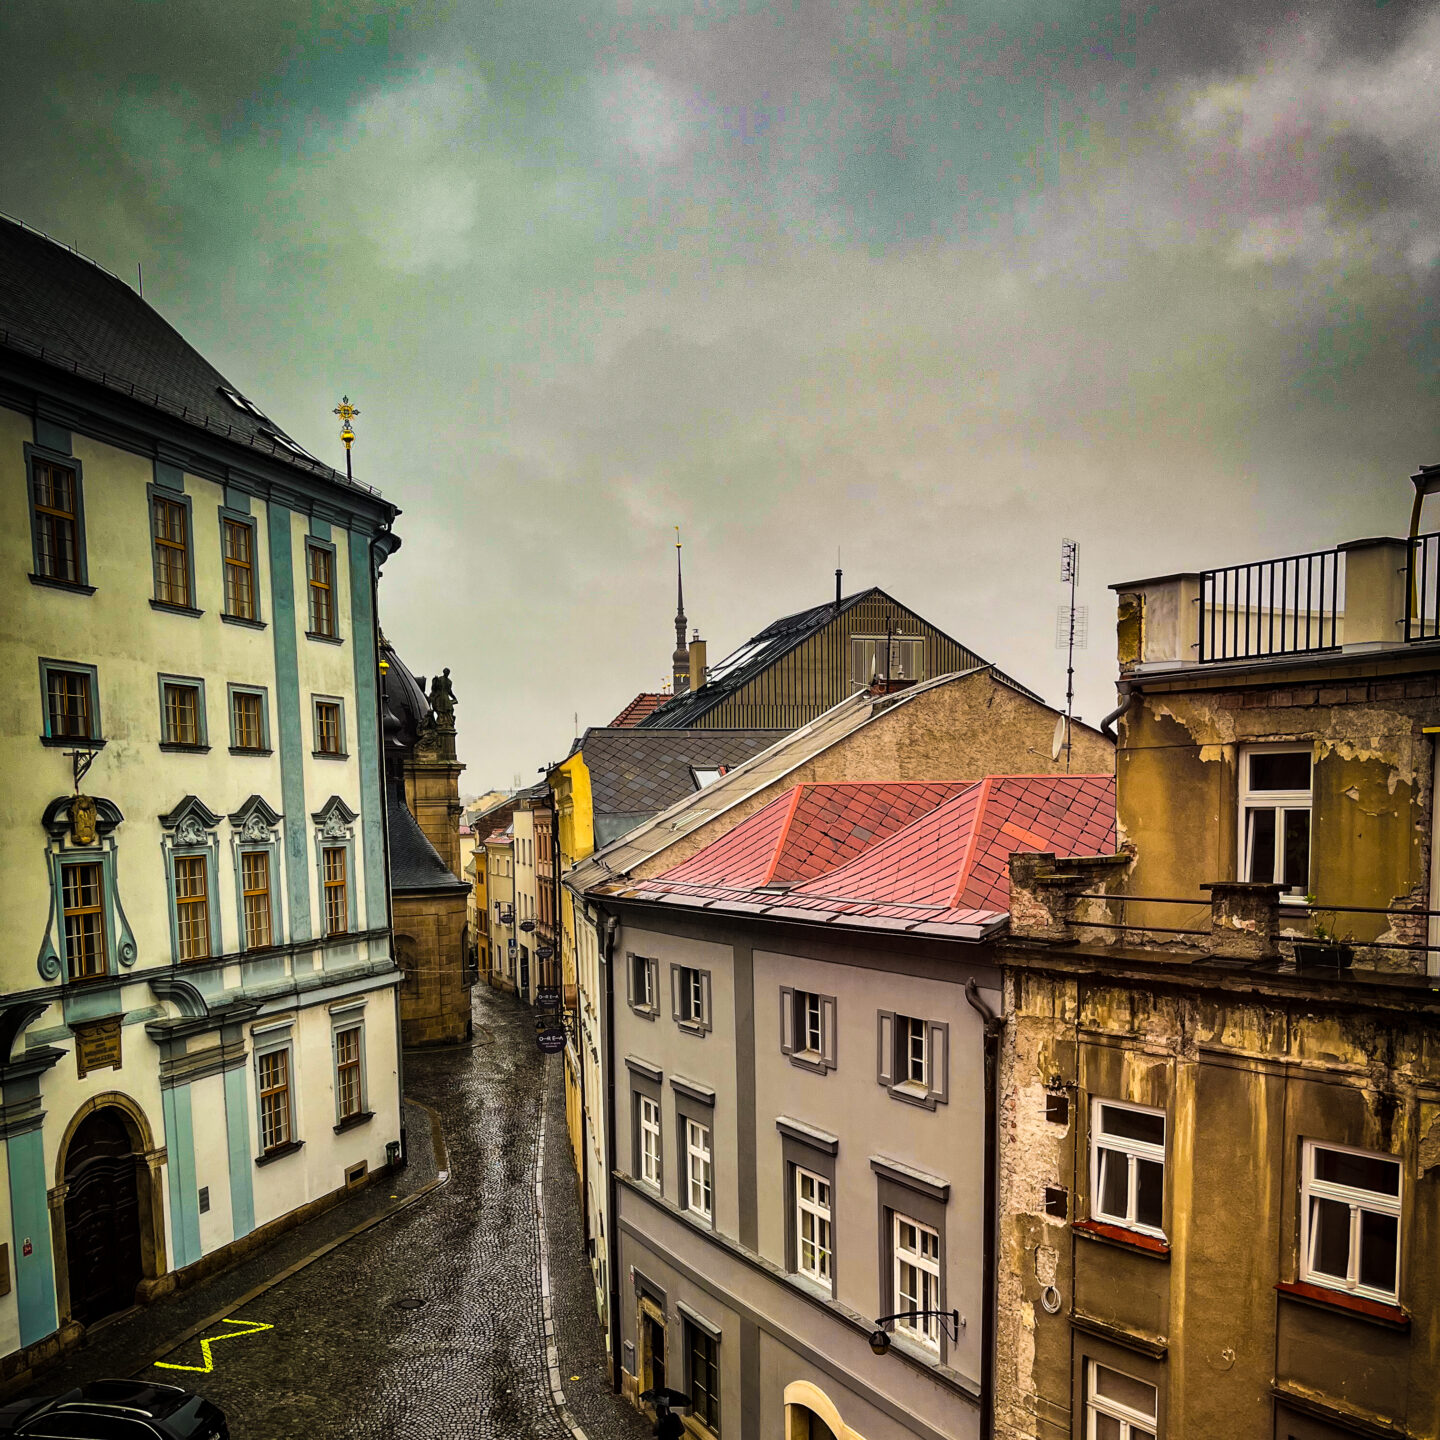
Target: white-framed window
point(868, 659)
point(644, 981)
point(814, 1244)
point(807, 1029)
point(913, 1058)
point(1127, 1166)
point(690, 997)
point(1275, 795)
point(1117, 1406)
point(699, 1171)
point(809, 1023)
point(649, 1119)
point(1350, 1208)
point(916, 1269)
point(912, 1052)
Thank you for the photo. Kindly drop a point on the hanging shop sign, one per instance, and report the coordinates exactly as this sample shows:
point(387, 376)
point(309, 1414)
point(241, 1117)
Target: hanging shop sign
point(547, 997)
point(551, 1041)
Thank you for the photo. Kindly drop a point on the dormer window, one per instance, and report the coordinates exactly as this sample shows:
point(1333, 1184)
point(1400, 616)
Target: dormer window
point(241, 403)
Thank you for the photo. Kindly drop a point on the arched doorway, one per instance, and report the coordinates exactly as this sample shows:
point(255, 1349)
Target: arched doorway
point(102, 1216)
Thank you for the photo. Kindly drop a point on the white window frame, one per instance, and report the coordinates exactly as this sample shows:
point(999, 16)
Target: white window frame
point(821, 1216)
point(650, 1153)
point(907, 1029)
point(1277, 801)
point(810, 1024)
point(1133, 1424)
point(1359, 1202)
point(1133, 1150)
point(699, 1170)
point(692, 997)
point(642, 967)
point(924, 1330)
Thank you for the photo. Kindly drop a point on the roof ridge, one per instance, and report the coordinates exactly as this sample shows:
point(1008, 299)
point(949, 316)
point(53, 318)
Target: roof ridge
point(784, 834)
point(963, 879)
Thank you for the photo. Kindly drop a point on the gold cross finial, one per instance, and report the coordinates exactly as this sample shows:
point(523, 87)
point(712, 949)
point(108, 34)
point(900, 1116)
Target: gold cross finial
point(347, 413)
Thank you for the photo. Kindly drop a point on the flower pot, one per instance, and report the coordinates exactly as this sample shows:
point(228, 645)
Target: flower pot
point(1323, 955)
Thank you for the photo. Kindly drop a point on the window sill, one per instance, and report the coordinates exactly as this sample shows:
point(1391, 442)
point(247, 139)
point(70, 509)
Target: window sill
point(693, 1027)
point(246, 750)
point(52, 584)
point(327, 639)
point(810, 1060)
point(351, 1121)
point(279, 1152)
point(72, 742)
point(175, 609)
point(1321, 1296)
point(1126, 1239)
point(645, 1012)
point(329, 754)
point(913, 1094)
point(175, 747)
point(241, 620)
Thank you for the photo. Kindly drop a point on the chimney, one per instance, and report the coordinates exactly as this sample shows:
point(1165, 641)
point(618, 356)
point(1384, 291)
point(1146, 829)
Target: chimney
point(838, 574)
point(697, 661)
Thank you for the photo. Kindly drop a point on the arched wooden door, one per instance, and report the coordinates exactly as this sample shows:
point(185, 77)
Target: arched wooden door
point(102, 1217)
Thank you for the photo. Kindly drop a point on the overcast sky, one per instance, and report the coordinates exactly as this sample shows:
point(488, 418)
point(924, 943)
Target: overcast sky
point(938, 285)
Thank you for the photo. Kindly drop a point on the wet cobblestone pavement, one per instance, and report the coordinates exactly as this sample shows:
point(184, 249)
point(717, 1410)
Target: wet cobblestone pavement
point(429, 1324)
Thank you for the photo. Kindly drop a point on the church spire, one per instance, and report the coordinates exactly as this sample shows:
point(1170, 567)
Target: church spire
point(680, 660)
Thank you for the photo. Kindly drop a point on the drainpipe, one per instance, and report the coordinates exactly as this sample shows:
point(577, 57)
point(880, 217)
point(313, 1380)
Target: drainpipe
point(1128, 692)
point(994, 1026)
point(612, 1240)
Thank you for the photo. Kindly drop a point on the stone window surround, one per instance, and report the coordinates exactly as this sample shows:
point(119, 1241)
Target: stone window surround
point(645, 1080)
point(695, 1101)
point(53, 446)
point(706, 1022)
point(937, 1048)
point(1146, 1368)
point(902, 1189)
point(169, 484)
point(241, 517)
point(807, 1147)
point(651, 1011)
point(824, 1062)
point(202, 725)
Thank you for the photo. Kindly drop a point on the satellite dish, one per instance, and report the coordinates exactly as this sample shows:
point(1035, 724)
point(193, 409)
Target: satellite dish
point(1058, 743)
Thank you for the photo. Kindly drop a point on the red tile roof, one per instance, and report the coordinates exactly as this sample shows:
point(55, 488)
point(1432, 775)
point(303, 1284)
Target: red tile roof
point(812, 829)
point(948, 868)
point(642, 705)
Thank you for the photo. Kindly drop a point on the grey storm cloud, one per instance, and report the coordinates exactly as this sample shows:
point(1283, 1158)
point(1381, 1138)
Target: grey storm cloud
point(931, 286)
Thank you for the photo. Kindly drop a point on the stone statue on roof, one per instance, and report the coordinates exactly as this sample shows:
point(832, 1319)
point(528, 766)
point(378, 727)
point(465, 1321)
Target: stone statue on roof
point(442, 700)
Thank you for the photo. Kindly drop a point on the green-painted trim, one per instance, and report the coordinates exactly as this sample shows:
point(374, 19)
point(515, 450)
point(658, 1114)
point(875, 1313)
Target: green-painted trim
point(180, 1150)
point(176, 495)
point(202, 717)
point(30, 1220)
point(291, 740)
point(54, 437)
point(237, 500)
point(319, 528)
point(169, 477)
point(367, 734)
point(237, 1133)
point(78, 667)
point(43, 450)
point(231, 690)
point(240, 515)
point(209, 851)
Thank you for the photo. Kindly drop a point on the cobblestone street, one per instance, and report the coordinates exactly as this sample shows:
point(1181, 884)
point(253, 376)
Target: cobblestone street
point(430, 1323)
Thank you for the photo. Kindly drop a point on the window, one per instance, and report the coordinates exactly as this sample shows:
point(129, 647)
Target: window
point(807, 1028)
point(255, 896)
point(273, 1069)
point(702, 1354)
point(55, 496)
point(914, 1058)
point(328, 739)
point(917, 1279)
point(649, 1121)
point(192, 908)
point(83, 895)
point(248, 728)
point(690, 997)
point(700, 1178)
point(349, 1080)
point(170, 531)
point(814, 1252)
point(868, 658)
point(1127, 1166)
point(704, 776)
point(182, 715)
point(1275, 791)
point(1118, 1407)
point(642, 983)
point(337, 909)
point(1351, 1219)
point(320, 570)
point(70, 708)
point(237, 540)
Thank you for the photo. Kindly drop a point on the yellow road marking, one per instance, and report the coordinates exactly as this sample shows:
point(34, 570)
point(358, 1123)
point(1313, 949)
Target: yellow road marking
point(248, 1327)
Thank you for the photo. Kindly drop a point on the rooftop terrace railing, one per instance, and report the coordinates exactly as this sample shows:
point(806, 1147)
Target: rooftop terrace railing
point(1422, 588)
point(1290, 606)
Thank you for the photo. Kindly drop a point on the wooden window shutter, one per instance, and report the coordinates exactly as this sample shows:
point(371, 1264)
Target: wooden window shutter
point(885, 1065)
point(652, 966)
point(827, 1029)
point(629, 973)
point(940, 1061)
point(787, 1020)
point(706, 1020)
point(675, 972)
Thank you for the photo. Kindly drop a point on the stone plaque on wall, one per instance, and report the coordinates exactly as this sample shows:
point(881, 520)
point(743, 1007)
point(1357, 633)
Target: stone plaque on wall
point(97, 1045)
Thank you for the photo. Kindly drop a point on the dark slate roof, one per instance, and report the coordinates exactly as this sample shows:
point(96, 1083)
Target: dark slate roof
point(58, 307)
point(415, 864)
point(634, 771)
point(758, 654)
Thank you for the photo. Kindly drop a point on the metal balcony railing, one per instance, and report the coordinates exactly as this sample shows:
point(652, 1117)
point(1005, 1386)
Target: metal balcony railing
point(1291, 606)
point(1422, 589)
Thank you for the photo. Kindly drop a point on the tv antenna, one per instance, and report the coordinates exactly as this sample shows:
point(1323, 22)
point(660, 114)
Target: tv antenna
point(1072, 628)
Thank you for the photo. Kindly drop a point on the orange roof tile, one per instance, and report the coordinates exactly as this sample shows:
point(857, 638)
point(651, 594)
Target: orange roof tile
point(642, 705)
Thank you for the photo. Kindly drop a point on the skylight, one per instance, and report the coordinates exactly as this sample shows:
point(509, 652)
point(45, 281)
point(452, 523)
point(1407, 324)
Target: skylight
point(241, 403)
point(275, 438)
point(736, 659)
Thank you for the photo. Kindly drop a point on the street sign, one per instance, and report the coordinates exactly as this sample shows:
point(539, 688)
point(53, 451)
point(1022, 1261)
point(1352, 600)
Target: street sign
point(551, 1042)
point(547, 997)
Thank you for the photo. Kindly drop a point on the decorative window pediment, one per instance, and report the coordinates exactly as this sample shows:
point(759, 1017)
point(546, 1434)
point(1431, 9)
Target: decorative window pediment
point(86, 934)
point(255, 822)
point(191, 822)
point(59, 816)
point(335, 820)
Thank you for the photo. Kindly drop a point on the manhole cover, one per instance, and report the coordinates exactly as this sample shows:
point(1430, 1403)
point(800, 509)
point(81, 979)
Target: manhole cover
point(409, 1302)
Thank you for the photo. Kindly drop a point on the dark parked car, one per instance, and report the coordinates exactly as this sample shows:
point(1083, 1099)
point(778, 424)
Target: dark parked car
point(116, 1410)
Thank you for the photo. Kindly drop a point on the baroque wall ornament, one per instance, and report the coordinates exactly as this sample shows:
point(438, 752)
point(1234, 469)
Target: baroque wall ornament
point(335, 820)
point(59, 822)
